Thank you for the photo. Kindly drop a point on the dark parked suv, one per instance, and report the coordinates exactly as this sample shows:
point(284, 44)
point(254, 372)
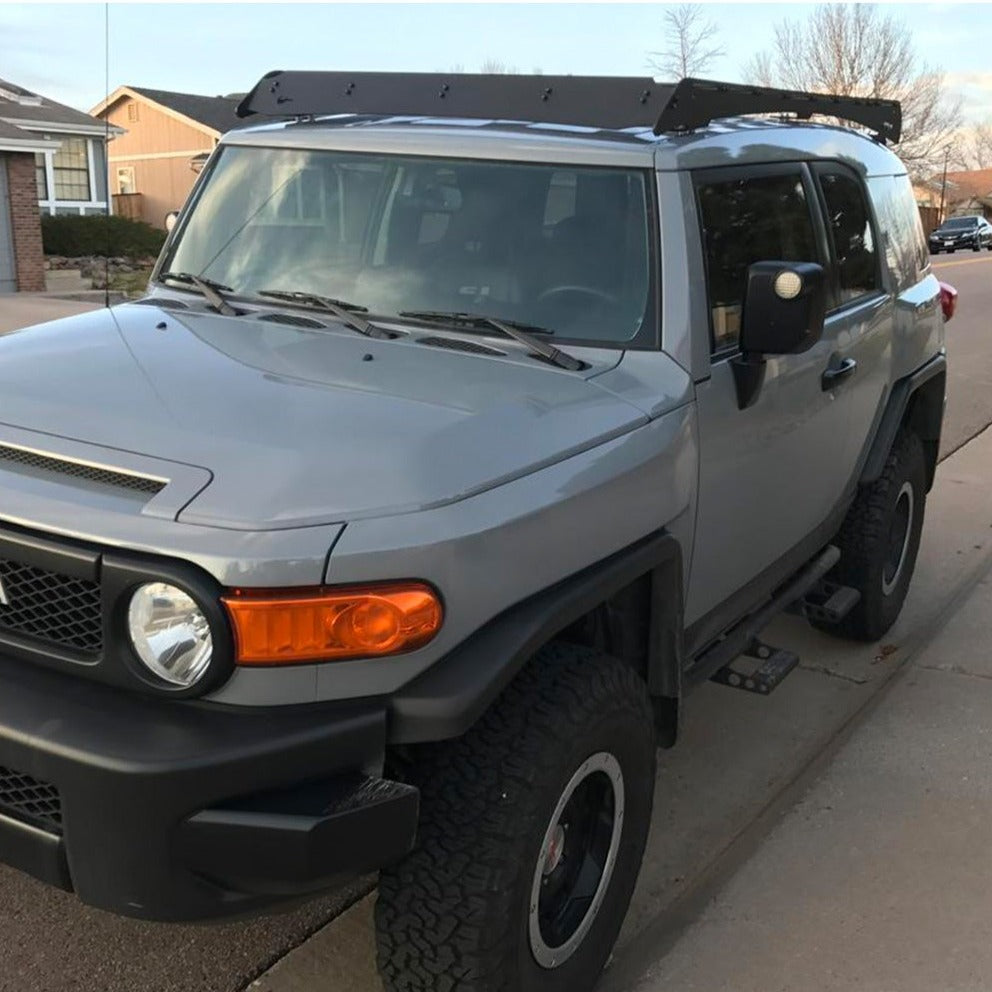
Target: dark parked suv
point(961, 232)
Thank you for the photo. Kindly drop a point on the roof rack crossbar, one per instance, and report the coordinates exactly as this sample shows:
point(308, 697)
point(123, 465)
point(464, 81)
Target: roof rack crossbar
point(590, 101)
point(694, 103)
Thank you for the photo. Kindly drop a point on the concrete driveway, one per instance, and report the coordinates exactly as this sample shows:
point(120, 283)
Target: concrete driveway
point(24, 309)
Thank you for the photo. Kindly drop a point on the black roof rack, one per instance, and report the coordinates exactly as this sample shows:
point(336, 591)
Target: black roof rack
point(695, 102)
point(592, 101)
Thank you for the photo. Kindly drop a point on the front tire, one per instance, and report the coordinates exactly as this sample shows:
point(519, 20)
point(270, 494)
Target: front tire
point(879, 541)
point(532, 829)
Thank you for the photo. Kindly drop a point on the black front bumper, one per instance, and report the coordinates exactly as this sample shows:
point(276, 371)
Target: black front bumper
point(175, 810)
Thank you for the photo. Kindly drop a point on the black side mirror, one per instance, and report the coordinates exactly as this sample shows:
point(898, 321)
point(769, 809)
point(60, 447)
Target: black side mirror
point(784, 307)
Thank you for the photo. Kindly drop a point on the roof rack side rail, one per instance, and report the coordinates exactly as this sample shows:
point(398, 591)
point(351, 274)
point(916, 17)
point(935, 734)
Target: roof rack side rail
point(694, 103)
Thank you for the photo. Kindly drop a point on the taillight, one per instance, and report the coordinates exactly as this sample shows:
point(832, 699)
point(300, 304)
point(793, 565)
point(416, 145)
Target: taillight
point(948, 300)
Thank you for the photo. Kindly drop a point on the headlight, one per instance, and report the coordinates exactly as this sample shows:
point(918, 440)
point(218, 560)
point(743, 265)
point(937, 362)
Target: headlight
point(170, 633)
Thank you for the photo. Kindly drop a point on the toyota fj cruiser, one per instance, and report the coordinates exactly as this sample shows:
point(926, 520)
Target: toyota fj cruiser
point(468, 423)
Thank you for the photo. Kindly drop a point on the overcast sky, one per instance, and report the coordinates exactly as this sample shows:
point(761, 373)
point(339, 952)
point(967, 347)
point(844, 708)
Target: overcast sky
point(58, 50)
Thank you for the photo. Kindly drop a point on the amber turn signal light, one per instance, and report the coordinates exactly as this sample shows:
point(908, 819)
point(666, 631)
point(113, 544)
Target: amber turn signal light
point(290, 627)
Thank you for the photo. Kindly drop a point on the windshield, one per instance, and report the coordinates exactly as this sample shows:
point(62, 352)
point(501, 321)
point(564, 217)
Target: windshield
point(556, 246)
point(956, 223)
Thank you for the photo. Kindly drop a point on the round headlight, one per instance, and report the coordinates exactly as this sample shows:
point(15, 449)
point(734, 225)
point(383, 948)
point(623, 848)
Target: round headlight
point(170, 633)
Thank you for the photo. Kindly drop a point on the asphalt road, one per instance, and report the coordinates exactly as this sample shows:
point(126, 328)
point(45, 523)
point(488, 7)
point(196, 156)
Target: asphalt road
point(51, 943)
point(969, 347)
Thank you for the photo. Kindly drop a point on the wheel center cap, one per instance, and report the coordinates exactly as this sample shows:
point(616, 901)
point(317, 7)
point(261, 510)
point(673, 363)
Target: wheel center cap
point(556, 848)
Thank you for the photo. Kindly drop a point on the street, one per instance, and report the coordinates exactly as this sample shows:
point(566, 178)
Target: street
point(739, 756)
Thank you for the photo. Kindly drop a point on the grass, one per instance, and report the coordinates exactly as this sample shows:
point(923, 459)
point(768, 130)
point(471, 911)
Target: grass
point(132, 283)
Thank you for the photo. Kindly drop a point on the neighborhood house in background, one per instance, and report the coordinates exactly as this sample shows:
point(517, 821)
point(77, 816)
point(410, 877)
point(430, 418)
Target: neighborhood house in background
point(163, 140)
point(52, 161)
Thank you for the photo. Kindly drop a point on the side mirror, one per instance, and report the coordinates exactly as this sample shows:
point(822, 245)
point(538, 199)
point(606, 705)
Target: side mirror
point(784, 307)
point(170, 219)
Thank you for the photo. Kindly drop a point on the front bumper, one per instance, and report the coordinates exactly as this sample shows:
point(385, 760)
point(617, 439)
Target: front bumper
point(175, 810)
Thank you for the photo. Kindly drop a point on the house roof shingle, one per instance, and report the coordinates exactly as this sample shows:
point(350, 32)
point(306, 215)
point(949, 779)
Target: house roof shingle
point(47, 111)
point(977, 183)
point(216, 112)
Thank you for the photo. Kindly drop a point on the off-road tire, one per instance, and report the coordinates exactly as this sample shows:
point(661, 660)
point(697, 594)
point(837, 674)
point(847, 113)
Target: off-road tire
point(864, 542)
point(454, 916)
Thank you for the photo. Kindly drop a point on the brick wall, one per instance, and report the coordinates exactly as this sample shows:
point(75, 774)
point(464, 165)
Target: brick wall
point(26, 223)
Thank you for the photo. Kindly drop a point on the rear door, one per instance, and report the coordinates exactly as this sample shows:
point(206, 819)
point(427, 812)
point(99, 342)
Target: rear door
point(771, 476)
point(8, 273)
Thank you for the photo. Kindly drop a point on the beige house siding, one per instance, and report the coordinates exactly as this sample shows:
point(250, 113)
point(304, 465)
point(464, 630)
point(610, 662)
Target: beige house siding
point(158, 147)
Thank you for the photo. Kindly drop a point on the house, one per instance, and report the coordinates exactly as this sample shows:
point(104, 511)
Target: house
point(52, 161)
point(168, 138)
point(967, 192)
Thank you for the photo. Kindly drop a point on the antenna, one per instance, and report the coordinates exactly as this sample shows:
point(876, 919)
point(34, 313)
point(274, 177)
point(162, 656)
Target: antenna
point(106, 150)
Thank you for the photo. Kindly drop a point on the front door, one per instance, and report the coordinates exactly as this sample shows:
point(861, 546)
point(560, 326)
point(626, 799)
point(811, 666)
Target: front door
point(8, 271)
point(770, 475)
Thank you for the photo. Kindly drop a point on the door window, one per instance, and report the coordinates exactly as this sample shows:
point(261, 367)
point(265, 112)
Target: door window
point(749, 218)
point(850, 227)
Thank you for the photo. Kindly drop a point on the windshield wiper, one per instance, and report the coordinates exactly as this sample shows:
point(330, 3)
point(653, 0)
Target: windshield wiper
point(347, 313)
point(213, 291)
point(524, 333)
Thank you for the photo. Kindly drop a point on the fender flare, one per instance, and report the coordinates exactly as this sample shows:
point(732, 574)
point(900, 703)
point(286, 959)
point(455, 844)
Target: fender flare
point(927, 417)
point(452, 694)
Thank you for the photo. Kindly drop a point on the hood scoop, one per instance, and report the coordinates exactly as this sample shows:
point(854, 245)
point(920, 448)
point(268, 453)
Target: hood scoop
point(40, 465)
point(164, 302)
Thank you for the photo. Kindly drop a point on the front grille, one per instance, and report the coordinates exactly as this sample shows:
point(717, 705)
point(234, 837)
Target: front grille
point(91, 473)
point(51, 607)
point(31, 800)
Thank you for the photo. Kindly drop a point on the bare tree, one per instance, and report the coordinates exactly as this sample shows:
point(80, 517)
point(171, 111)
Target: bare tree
point(690, 43)
point(853, 50)
point(495, 67)
point(973, 149)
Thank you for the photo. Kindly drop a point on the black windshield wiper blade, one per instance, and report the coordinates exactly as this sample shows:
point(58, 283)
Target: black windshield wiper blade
point(347, 313)
point(524, 333)
point(213, 291)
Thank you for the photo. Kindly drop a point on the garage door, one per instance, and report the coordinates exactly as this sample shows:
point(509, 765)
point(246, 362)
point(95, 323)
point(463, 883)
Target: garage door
point(8, 274)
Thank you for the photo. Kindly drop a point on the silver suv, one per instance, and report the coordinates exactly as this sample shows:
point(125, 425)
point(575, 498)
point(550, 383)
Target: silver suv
point(447, 452)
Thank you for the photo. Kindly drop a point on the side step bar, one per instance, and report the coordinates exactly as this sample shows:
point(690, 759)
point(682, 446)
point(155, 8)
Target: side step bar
point(739, 638)
point(773, 666)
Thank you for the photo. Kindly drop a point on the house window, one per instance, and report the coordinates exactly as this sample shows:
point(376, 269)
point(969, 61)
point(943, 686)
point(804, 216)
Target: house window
point(40, 176)
point(132, 112)
point(125, 179)
point(72, 171)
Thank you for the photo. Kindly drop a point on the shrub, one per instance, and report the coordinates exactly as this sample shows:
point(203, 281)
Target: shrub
point(74, 236)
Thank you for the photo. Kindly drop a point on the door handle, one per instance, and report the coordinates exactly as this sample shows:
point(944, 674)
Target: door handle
point(836, 374)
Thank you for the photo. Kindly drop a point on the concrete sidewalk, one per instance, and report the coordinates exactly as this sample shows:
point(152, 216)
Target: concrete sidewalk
point(879, 879)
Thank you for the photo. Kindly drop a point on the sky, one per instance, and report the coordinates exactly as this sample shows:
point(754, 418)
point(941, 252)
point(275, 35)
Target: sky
point(58, 49)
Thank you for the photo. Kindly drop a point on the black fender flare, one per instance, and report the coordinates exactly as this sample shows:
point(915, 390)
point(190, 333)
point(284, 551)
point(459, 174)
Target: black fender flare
point(444, 701)
point(927, 417)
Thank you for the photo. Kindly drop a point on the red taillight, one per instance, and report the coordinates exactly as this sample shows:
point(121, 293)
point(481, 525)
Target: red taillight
point(948, 299)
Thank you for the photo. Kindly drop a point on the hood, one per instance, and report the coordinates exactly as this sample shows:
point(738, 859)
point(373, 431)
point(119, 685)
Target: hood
point(299, 426)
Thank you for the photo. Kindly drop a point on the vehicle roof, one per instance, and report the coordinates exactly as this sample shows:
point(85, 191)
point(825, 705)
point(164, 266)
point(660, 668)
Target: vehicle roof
point(738, 141)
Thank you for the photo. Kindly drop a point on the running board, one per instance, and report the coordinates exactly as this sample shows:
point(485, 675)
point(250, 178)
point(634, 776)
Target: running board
point(773, 664)
point(739, 638)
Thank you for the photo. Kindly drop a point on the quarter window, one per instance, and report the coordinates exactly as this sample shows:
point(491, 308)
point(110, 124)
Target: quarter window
point(747, 219)
point(851, 232)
